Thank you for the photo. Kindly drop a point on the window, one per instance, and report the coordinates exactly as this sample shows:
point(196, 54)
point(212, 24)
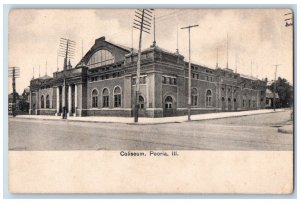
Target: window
point(168, 102)
point(141, 102)
point(117, 97)
point(95, 78)
point(94, 98)
point(133, 81)
point(47, 102)
point(143, 80)
point(208, 98)
point(105, 96)
point(164, 80)
point(169, 80)
point(42, 102)
point(194, 97)
point(101, 58)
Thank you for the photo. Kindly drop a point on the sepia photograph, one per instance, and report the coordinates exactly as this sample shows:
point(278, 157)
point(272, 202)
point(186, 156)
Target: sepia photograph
point(148, 84)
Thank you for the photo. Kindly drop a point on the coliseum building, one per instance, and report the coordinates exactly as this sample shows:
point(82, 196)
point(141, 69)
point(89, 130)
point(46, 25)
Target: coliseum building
point(103, 84)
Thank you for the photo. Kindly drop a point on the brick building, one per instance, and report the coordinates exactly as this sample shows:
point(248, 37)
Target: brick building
point(103, 84)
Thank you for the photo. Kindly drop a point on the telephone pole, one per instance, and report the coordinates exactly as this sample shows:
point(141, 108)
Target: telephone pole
point(274, 86)
point(66, 50)
point(14, 72)
point(190, 81)
point(142, 22)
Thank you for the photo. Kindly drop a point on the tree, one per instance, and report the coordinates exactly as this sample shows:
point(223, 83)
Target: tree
point(285, 92)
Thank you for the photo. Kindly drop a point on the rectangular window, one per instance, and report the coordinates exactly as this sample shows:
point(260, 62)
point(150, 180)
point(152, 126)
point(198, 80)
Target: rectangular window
point(143, 80)
point(174, 81)
point(117, 99)
point(133, 81)
point(164, 80)
point(105, 101)
point(95, 102)
point(106, 76)
point(194, 100)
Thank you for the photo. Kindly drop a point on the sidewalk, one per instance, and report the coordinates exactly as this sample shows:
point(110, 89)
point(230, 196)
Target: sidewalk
point(130, 120)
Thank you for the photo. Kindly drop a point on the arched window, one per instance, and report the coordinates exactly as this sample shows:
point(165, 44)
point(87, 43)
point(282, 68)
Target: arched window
point(95, 98)
point(141, 102)
point(117, 97)
point(105, 96)
point(194, 97)
point(101, 58)
point(42, 102)
point(209, 98)
point(47, 102)
point(169, 102)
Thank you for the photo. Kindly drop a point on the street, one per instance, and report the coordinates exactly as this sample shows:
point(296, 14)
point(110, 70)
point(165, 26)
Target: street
point(255, 132)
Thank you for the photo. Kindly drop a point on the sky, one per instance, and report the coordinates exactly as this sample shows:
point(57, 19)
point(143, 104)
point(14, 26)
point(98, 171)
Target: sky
point(257, 35)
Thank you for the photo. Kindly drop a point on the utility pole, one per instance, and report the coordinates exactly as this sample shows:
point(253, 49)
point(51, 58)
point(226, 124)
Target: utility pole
point(66, 50)
point(227, 52)
point(251, 67)
point(190, 81)
point(142, 22)
point(14, 72)
point(217, 64)
point(177, 49)
point(274, 86)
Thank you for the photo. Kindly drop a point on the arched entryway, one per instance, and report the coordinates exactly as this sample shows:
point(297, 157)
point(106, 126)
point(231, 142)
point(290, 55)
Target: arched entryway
point(235, 106)
point(229, 104)
point(223, 104)
point(169, 106)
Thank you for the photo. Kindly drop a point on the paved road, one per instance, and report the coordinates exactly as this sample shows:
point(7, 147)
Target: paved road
point(257, 132)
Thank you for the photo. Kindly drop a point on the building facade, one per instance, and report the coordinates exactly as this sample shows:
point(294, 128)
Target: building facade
point(103, 84)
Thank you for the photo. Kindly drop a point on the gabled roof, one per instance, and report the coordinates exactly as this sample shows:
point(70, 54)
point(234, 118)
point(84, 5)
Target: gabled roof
point(248, 77)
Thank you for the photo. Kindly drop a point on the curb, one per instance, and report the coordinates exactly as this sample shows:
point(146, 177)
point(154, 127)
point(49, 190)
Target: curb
point(130, 123)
